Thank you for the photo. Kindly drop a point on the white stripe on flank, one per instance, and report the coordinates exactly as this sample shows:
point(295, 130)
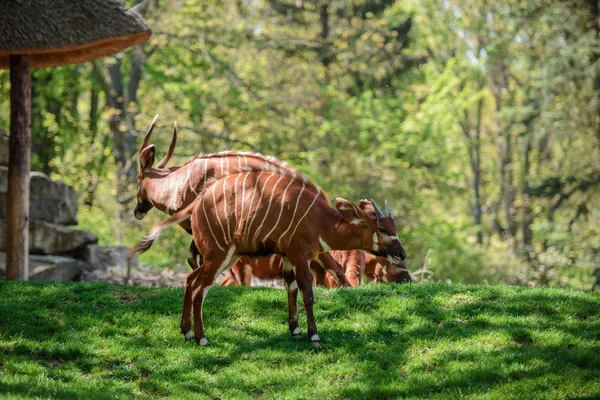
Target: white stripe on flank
point(268, 208)
point(227, 163)
point(209, 223)
point(307, 210)
point(190, 180)
point(252, 199)
point(259, 200)
point(240, 220)
point(225, 209)
point(280, 211)
point(215, 205)
point(294, 214)
point(245, 160)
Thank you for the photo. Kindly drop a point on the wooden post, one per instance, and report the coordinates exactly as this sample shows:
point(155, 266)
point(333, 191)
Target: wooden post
point(17, 234)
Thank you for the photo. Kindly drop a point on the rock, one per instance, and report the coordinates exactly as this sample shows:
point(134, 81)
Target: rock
point(47, 238)
point(102, 258)
point(49, 201)
point(46, 268)
point(3, 148)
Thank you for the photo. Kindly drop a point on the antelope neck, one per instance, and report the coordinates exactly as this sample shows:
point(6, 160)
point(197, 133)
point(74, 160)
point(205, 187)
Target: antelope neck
point(339, 234)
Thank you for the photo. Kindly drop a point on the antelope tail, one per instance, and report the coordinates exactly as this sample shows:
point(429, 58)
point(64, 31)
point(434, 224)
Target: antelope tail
point(148, 240)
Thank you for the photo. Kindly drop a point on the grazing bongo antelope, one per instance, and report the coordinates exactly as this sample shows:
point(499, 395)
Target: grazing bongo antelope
point(263, 212)
point(359, 263)
point(171, 190)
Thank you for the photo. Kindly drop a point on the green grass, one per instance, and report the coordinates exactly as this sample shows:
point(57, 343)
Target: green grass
point(71, 340)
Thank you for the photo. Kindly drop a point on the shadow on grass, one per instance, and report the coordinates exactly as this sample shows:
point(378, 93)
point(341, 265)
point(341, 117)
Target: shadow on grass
point(376, 330)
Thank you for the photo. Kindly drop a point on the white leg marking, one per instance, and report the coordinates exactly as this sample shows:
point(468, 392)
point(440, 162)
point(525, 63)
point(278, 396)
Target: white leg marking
point(287, 265)
point(268, 208)
point(210, 224)
point(280, 211)
point(324, 245)
point(259, 200)
point(293, 286)
point(189, 335)
point(296, 331)
point(307, 210)
point(203, 342)
point(294, 214)
point(315, 338)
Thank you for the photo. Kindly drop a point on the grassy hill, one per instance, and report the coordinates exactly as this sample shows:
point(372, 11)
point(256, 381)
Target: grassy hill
point(70, 340)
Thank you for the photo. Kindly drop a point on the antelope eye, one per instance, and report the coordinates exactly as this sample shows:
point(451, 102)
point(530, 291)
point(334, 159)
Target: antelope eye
point(382, 230)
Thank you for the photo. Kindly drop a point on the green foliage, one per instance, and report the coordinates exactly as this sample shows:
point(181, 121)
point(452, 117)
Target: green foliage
point(68, 340)
point(420, 102)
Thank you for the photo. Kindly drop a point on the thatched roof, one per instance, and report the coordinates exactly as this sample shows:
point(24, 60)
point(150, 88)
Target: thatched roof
point(57, 32)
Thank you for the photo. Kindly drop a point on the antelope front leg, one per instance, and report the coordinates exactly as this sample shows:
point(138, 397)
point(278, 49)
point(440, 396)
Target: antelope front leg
point(198, 296)
point(330, 265)
point(305, 285)
point(292, 288)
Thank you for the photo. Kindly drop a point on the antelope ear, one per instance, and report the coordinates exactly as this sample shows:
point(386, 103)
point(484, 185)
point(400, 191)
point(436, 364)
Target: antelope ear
point(366, 206)
point(350, 211)
point(147, 158)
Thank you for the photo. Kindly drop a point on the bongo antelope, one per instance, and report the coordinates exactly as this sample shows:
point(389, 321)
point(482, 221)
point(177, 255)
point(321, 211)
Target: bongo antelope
point(359, 263)
point(172, 189)
point(271, 267)
point(263, 212)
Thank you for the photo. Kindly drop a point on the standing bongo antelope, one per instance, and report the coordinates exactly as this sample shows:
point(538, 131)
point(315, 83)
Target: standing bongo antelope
point(263, 212)
point(172, 189)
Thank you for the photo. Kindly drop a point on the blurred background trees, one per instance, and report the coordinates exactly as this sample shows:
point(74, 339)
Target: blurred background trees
point(479, 121)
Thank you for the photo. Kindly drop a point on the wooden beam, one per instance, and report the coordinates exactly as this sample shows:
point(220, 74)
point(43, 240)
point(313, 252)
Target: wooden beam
point(17, 240)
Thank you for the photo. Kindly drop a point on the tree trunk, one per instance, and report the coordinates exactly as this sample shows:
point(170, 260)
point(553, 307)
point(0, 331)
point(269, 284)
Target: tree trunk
point(473, 141)
point(17, 240)
point(526, 211)
point(90, 190)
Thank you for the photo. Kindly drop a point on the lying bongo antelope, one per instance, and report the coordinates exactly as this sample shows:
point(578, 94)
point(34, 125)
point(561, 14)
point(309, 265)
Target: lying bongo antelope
point(291, 216)
point(171, 190)
point(269, 268)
